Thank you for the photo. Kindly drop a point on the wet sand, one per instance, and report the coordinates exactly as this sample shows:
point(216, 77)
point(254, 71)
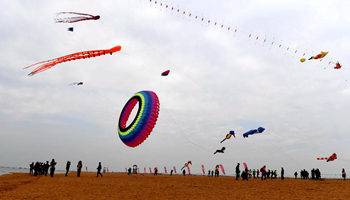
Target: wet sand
point(122, 186)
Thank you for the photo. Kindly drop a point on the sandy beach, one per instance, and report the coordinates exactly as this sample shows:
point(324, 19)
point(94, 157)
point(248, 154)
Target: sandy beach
point(122, 186)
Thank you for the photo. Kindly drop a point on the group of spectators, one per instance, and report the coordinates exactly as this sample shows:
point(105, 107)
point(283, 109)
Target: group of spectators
point(265, 174)
point(40, 168)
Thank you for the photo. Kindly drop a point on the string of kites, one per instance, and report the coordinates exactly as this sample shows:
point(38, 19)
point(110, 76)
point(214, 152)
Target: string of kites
point(228, 28)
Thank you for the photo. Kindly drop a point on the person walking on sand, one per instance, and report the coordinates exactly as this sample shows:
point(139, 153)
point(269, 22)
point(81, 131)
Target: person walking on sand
point(79, 166)
point(99, 167)
point(184, 172)
point(52, 167)
point(257, 173)
point(237, 171)
point(282, 173)
point(343, 174)
point(155, 171)
point(67, 167)
point(171, 172)
point(296, 175)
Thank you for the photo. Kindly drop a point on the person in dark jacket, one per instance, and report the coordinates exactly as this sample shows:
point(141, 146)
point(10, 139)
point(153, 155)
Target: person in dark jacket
point(99, 169)
point(67, 167)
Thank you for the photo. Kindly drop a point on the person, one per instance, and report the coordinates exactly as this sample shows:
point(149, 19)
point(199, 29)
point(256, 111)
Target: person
point(296, 174)
point(52, 167)
point(343, 174)
point(79, 166)
point(250, 173)
point(220, 150)
point(282, 173)
point(31, 168)
point(217, 171)
point(254, 172)
point(67, 167)
point(263, 173)
point(184, 172)
point(36, 168)
point(171, 172)
point(237, 171)
point(99, 167)
point(104, 169)
point(155, 171)
point(129, 171)
point(46, 168)
point(212, 173)
point(208, 172)
point(257, 173)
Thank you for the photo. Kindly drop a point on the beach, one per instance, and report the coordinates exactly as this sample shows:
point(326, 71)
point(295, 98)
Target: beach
point(146, 186)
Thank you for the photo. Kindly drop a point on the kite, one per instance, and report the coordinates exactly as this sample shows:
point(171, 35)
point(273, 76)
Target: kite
point(70, 29)
point(144, 121)
point(186, 165)
point(222, 169)
point(228, 136)
point(203, 169)
point(318, 56)
point(245, 166)
point(166, 73)
point(45, 65)
point(220, 150)
point(302, 59)
point(337, 66)
point(254, 131)
point(77, 17)
point(77, 83)
point(330, 158)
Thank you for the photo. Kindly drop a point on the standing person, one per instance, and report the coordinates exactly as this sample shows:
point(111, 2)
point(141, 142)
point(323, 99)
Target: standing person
point(184, 172)
point(257, 173)
point(282, 173)
point(208, 172)
point(296, 175)
point(31, 168)
point(99, 167)
point(254, 172)
point(52, 167)
point(156, 171)
point(67, 167)
point(46, 168)
point(263, 173)
point(343, 174)
point(129, 171)
point(237, 171)
point(79, 166)
point(171, 172)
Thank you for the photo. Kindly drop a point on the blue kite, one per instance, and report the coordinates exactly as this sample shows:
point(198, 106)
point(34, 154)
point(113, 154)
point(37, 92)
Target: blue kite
point(254, 131)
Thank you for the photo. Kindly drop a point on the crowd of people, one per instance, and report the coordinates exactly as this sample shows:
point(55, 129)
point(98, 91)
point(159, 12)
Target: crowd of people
point(41, 168)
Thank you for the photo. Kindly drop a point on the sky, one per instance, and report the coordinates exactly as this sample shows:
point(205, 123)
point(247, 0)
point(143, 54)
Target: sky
point(220, 80)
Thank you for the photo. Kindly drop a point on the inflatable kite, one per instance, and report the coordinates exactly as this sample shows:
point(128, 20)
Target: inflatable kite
point(337, 66)
point(145, 120)
point(166, 73)
point(77, 83)
point(45, 65)
point(302, 60)
point(70, 29)
point(186, 164)
point(77, 17)
point(228, 136)
point(220, 150)
point(254, 131)
point(330, 158)
point(318, 56)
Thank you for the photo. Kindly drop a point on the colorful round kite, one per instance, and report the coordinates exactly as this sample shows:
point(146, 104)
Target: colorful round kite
point(146, 118)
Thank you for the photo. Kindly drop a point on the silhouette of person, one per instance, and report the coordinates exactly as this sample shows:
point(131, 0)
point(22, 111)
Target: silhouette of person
point(46, 168)
point(31, 168)
point(79, 166)
point(67, 167)
point(296, 175)
point(99, 167)
point(263, 173)
point(52, 167)
point(184, 172)
point(237, 171)
point(156, 171)
point(129, 171)
point(208, 172)
point(282, 173)
point(343, 174)
point(171, 172)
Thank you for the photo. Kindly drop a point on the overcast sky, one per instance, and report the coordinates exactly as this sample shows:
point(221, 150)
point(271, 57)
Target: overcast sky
point(219, 81)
